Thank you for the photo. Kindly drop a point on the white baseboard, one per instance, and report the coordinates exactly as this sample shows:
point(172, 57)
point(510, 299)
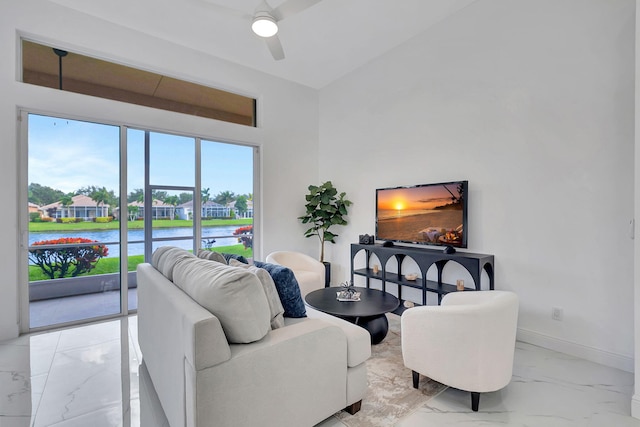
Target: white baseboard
point(592, 354)
point(635, 406)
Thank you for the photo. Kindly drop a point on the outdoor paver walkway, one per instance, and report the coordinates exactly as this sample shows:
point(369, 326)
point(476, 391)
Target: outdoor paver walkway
point(69, 309)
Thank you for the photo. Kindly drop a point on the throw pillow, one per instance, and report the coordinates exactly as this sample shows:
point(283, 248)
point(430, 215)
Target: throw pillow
point(212, 256)
point(275, 305)
point(288, 289)
point(240, 258)
point(234, 295)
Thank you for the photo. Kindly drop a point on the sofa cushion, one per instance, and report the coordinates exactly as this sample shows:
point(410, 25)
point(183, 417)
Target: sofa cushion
point(234, 295)
point(212, 256)
point(166, 257)
point(288, 289)
point(275, 305)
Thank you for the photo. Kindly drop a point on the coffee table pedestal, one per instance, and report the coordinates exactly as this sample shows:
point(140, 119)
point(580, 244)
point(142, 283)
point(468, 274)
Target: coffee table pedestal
point(368, 313)
point(378, 326)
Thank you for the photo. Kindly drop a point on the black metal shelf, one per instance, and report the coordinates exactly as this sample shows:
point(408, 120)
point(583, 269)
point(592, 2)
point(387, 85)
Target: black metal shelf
point(425, 258)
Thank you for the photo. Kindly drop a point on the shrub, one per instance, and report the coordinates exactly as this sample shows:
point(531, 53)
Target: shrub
point(46, 219)
point(246, 236)
point(35, 217)
point(104, 219)
point(58, 262)
point(67, 220)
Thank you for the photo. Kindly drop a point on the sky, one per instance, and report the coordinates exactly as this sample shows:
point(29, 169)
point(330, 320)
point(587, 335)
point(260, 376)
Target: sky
point(416, 198)
point(68, 154)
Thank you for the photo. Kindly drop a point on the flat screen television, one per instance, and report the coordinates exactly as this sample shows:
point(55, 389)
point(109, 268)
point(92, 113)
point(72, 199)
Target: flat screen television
point(429, 214)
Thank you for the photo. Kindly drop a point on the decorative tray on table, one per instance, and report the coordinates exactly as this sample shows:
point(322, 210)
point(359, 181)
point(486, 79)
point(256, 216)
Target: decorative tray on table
point(348, 293)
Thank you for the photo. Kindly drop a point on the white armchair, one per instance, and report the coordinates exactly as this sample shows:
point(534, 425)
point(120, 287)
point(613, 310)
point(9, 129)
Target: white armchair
point(309, 272)
point(466, 343)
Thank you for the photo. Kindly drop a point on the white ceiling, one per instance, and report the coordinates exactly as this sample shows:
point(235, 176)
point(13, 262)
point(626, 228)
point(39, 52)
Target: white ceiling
point(321, 43)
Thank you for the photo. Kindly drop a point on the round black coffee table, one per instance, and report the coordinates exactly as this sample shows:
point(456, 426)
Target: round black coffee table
point(367, 313)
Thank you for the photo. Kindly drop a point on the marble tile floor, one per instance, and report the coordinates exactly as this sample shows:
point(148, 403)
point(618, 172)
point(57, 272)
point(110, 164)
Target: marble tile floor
point(91, 376)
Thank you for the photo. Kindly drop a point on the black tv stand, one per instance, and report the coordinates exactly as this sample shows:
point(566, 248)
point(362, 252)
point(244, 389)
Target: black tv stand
point(425, 258)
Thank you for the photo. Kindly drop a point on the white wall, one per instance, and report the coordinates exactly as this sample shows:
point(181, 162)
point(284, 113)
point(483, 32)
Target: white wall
point(288, 115)
point(532, 102)
point(635, 401)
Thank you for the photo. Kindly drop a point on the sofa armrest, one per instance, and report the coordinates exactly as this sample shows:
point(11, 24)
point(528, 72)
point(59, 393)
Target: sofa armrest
point(205, 343)
point(166, 314)
point(294, 376)
point(358, 339)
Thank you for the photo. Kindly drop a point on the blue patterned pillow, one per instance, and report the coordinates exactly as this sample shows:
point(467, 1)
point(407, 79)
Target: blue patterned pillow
point(288, 289)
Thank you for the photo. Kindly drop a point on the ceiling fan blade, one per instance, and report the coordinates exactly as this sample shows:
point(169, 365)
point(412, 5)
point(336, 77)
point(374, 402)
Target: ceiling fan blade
point(291, 7)
point(275, 47)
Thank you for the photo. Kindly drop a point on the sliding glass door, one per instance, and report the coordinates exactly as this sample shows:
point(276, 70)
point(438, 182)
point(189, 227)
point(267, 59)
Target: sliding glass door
point(73, 231)
point(85, 241)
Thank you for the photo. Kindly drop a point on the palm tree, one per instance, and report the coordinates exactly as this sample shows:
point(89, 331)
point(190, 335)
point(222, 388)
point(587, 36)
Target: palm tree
point(225, 197)
point(133, 211)
point(100, 196)
point(137, 195)
point(66, 201)
point(173, 201)
point(204, 195)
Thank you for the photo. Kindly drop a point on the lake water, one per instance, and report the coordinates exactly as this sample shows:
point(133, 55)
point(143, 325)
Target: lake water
point(138, 235)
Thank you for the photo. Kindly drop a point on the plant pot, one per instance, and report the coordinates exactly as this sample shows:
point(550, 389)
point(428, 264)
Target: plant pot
point(327, 274)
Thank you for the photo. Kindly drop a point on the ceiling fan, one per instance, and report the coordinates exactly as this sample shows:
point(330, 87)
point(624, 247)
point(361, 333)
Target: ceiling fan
point(264, 21)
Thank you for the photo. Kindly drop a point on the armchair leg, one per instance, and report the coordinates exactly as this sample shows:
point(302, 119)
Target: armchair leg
point(475, 400)
point(354, 407)
point(416, 379)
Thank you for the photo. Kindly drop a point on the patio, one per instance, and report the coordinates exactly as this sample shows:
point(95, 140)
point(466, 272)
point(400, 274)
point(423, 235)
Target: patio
point(51, 312)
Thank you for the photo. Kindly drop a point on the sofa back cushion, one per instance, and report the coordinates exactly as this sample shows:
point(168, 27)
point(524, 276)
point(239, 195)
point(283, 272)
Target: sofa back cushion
point(165, 258)
point(234, 295)
point(275, 305)
point(212, 256)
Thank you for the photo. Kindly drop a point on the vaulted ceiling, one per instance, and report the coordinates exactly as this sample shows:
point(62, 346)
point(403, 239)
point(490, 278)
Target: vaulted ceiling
point(321, 43)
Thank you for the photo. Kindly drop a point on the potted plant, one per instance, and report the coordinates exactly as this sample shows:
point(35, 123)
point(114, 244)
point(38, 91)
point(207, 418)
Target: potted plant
point(324, 209)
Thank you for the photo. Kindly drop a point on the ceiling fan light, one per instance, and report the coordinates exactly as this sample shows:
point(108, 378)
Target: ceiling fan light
point(264, 25)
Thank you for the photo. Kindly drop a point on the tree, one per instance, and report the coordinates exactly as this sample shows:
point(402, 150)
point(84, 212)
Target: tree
point(133, 212)
point(324, 210)
point(88, 190)
point(42, 195)
point(241, 204)
point(173, 201)
point(185, 197)
point(57, 262)
point(137, 195)
point(160, 195)
point(100, 196)
point(225, 197)
point(204, 195)
point(66, 201)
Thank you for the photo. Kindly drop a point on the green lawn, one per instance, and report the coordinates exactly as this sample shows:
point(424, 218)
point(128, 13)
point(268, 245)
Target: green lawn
point(112, 265)
point(115, 225)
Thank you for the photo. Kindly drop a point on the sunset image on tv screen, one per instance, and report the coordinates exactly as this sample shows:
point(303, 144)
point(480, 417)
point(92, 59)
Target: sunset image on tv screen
point(430, 214)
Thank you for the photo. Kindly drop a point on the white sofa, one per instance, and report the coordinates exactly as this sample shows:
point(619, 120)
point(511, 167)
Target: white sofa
point(296, 375)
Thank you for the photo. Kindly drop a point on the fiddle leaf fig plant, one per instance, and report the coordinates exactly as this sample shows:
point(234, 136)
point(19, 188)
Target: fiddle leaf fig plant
point(325, 208)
